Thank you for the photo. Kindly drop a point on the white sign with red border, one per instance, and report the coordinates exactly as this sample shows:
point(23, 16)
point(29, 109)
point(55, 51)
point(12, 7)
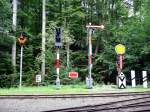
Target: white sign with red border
point(73, 75)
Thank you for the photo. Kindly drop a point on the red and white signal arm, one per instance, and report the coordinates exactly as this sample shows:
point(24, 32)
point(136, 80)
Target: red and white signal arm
point(95, 26)
point(73, 74)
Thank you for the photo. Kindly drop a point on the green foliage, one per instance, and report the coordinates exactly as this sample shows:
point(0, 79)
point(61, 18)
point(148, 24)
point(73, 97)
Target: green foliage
point(5, 81)
point(72, 16)
point(5, 44)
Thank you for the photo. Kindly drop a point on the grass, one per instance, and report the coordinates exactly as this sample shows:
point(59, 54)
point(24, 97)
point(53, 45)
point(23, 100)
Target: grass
point(68, 89)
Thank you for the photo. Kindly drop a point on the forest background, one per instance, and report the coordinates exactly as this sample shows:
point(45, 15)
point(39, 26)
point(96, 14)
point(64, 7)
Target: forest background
point(126, 22)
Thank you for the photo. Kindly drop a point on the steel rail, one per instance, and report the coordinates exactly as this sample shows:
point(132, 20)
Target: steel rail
point(104, 107)
point(74, 95)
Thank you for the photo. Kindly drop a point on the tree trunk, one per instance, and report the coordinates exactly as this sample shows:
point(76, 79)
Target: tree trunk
point(67, 45)
point(97, 47)
point(43, 38)
point(68, 55)
point(14, 24)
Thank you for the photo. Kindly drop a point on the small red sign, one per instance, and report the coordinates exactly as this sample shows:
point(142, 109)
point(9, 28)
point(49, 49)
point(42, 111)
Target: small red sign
point(73, 74)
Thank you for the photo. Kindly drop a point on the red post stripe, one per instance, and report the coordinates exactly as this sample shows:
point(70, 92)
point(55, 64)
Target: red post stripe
point(90, 59)
point(121, 61)
point(57, 63)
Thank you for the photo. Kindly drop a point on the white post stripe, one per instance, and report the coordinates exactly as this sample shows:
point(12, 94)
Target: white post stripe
point(133, 81)
point(57, 54)
point(21, 58)
point(57, 70)
point(90, 48)
point(144, 73)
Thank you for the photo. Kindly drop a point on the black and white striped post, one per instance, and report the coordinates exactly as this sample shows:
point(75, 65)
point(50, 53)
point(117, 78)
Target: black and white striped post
point(121, 79)
point(133, 81)
point(144, 74)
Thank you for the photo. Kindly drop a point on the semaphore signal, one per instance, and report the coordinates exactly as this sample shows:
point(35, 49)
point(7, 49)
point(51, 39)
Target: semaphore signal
point(90, 28)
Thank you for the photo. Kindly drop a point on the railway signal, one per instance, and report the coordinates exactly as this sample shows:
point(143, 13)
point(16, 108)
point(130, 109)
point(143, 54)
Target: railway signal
point(90, 28)
point(58, 37)
point(120, 50)
point(57, 61)
point(22, 40)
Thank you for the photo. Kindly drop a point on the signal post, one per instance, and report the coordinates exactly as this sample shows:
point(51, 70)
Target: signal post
point(121, 79)
point(57, 61)
point(90, 28)
point(22, 40)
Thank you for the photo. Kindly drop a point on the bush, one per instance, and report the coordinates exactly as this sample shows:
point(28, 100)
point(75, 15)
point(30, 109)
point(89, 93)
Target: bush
point(5, 81)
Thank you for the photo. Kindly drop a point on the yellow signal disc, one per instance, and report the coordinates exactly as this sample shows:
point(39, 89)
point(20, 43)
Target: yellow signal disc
point(120, 49)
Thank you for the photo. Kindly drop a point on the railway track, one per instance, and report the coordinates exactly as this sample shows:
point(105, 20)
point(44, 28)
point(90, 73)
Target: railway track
point(98, 102)
point(139, 104)
point(121, 94)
